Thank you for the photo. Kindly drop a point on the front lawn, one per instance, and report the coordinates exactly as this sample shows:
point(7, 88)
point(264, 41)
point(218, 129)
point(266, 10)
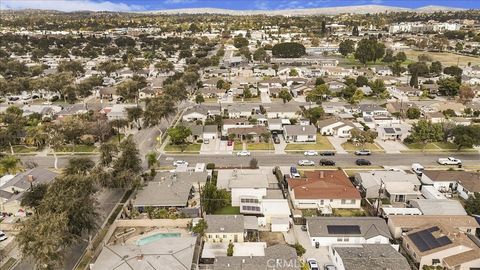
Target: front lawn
point(22, 149)
point(322, 144)
point(79, 148)
point(348, 146)
point(228, 210)
point(193, 147)
point(436, 146)
point(254, 146)
point(253, 99)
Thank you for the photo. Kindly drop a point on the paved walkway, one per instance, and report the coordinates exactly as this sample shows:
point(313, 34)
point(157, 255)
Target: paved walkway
point(337, 144)
point(320, 254)
point(280, 147)
point(265, 98)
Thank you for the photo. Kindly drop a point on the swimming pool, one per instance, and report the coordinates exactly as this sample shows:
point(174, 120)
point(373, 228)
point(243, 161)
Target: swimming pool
point(154, 237)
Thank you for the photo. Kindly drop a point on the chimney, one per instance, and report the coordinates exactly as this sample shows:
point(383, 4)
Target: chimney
point(322, 174)
point(30, 178)
point(140, 257)
point(303, 128)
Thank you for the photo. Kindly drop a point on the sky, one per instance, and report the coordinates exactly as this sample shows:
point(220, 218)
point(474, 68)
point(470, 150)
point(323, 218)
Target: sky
point(144, 5)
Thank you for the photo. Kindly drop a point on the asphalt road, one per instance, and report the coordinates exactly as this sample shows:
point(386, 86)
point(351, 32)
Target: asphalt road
point(342, 160)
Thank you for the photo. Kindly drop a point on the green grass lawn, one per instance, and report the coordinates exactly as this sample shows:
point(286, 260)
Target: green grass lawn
point(436, 146)
point(348, 146)
point(238, 146)
point(78, 148)
point(228, 210)
point(322, 144)
point(21, 149)
point(349, 212)
point(193, 147)
point(114, 139)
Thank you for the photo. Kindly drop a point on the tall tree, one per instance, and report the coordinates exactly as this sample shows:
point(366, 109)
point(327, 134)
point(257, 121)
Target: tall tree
point(285, 95)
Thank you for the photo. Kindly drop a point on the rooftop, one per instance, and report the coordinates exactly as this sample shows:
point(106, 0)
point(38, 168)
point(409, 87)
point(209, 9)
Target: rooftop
point(371, 257)
point(225, 224)
point(366, 227)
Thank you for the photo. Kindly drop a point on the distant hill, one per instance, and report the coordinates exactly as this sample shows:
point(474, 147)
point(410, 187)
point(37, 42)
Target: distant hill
point(362, 9)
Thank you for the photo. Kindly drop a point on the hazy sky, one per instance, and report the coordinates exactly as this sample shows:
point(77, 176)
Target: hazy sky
point(138, 5)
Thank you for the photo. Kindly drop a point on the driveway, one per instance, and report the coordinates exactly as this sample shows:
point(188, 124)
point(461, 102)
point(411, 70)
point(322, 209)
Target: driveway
point(265, 98)
point(210, 148)
point(337, 144)
point(391, 147)
point(280, 148)
point(320, 254)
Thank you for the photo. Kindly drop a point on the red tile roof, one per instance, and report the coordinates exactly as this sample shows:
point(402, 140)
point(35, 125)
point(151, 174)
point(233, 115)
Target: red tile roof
point(323, 185)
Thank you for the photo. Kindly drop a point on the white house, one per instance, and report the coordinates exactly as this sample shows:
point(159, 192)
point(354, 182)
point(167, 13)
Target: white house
point(328, 231)
point(336, 128)
point(299, 133)
point(371, 256)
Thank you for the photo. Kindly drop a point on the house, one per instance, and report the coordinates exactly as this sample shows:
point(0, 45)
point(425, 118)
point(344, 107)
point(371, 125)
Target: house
point(200, 113)
point(390, 133)
point(323, 190)
point(442, 207)
point(210, 132)
point(399, 108)
point(236, 123)
point(109, 92)
point(284, 111)
point(401, 224)
point(383, 71)
point(256, 192)
point(241, 110)
point(12, 191)
point(368, 257)
point(275, 125)
point(332, 231)
point(336, 128)
point(432, 244)
point(211, 92)
point(118, 111)
point(463, 261)
point(465, 183)
point(168, 190)
point(248, 133)
point(278, 256)
point(372, 110)
point(225, 228)
point(397, 186)
point(163, 253)
point(299, 133)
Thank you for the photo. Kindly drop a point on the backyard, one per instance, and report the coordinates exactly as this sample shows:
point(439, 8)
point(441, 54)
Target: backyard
point(322, 144)
point(228, 210)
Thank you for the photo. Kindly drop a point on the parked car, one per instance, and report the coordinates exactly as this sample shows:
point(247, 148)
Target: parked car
point(449, 161)
point(327, 153)
point(276, 140)
point(294, 172)
point(3, 236)
point(206, 141)
point(327, 162)
point(304, 228)
point(306, 162)
point(329, 267)
point(312, 264)
point(363, 152)
point(229, 143)
point(177, 163)
point(363, 162)
point(417, 168)
point(310, 153)
point(243, 153)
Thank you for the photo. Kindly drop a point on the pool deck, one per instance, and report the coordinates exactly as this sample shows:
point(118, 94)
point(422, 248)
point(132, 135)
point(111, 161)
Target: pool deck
point(153, 231)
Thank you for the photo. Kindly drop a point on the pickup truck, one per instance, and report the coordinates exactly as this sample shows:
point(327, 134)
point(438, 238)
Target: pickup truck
point(449, 161)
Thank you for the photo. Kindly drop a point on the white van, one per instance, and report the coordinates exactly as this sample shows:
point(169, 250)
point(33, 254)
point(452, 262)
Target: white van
point(417, 168)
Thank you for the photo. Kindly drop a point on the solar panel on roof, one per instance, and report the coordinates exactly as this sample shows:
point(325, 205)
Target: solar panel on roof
point(343, 229)
point(424, 240)
point(389, 130)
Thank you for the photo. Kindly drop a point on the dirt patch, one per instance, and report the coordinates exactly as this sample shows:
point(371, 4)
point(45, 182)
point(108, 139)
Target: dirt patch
point(272, 238)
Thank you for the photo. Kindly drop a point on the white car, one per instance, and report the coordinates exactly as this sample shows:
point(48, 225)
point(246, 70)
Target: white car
point(363, 152)
point(243, 153)
point(449, 161)
point(310, 153)
point(3, 236)
point(177, 163)
point(312, 264)
point(417, 168)
point(306, 162)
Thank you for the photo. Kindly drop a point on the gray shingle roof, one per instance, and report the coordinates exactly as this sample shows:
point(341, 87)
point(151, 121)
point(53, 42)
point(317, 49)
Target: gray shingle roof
point(369, 226)
point(225, 224)
point(372, 257)
point(300, 130)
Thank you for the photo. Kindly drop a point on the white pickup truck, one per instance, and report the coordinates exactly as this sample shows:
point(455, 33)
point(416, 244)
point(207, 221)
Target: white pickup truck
point(449, 161)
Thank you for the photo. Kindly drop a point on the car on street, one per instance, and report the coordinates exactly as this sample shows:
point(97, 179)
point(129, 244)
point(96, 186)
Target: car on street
point(327, 153)
point(310, 153)
point(417, 168)
point(306, 162)
point(329, 267)
point(243, 153)
point(3, 236)
point(304, 228)
point(276, 140)
point(327, 162)
point(177, 163)
point(363, 162)
point(449, 161)
point(206, 141)
point(312, 264)
point(294, 172)
point(229, 143)
point(363, 152)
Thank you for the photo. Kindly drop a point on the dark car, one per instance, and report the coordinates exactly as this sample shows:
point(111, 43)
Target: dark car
point(327, 162)
point(363, 162)
point(327, 153)
point(276, 140)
